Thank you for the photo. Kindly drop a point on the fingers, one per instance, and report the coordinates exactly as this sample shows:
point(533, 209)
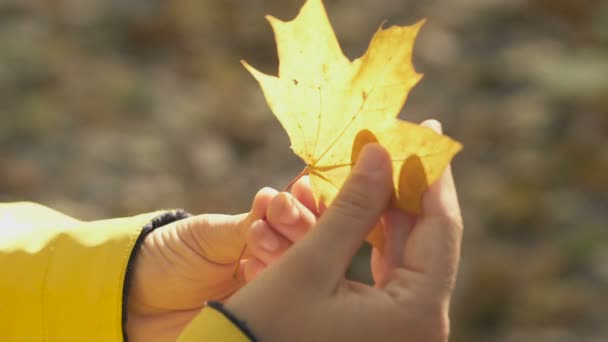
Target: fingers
point(303, 192)
point(441, 225)
point(441, 198)
point(252, 268)
point(397, 228)
point(216, 237)
point(260, 203)
point(265, 243)
point(286, 222)
point(434, 246)
point(220, 238)
point(345, 224)
point(258, 210)
point(289, 217)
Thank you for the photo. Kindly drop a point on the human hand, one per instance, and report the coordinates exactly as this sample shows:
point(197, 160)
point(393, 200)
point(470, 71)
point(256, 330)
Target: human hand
point(418, 243)
point(287, 218)
point(184, 264)
point(305, 297)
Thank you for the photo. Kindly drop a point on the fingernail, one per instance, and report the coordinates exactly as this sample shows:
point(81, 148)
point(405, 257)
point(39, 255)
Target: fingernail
point(371, 158)
point(291, 213)
point(269, 241)
point(435, 126)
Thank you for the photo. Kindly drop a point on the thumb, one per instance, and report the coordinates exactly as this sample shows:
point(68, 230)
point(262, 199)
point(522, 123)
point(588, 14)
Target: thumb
point(221, 238)
point(355, 211)
point(215, 237)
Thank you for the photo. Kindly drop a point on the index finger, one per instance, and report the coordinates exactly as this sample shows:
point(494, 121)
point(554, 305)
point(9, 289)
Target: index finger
point(441, 199)
point(442, 224)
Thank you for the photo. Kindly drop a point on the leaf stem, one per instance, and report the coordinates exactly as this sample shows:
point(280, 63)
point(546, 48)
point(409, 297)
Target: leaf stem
point(302, 173)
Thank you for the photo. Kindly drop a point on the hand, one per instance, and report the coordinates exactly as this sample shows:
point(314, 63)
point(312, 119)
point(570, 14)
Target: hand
point(184, 264)
point(287, 218)
point(305, 297)
point(418, 243)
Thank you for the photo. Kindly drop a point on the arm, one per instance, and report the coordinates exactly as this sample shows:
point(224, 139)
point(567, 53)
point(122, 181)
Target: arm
point(64, 279)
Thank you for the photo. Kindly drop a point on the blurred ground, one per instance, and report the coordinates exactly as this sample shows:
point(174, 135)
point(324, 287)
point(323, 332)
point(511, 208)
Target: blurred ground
point(118, 107)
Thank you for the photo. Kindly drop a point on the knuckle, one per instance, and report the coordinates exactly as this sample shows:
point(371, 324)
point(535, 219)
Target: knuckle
point(365, 179)
point(454, 223)
point(351, 204)
point(359, 193)
point(452, 228)
point(449, 221)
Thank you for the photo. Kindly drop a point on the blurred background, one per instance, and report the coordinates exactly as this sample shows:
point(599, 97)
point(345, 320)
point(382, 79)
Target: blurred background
point(113, 107)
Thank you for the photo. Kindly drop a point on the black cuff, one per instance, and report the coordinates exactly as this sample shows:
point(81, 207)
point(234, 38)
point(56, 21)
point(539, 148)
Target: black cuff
point(240, 324)
point(159, 221)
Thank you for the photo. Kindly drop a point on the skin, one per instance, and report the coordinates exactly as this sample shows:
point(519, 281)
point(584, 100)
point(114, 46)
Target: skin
point(304, 296)
point(182, 265)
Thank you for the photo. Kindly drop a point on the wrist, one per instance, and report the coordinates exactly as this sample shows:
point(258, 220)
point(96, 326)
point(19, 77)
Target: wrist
point(129, 315)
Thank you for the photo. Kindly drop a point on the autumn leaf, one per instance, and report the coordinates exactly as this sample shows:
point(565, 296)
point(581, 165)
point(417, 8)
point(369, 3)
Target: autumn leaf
point(331, 107)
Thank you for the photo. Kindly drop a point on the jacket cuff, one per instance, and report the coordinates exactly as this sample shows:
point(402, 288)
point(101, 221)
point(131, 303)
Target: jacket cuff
point(215, 323)
point(242, 325)
point(157, 222)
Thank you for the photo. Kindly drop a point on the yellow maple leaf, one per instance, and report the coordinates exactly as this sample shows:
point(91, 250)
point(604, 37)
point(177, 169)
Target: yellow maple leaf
point(331, 107)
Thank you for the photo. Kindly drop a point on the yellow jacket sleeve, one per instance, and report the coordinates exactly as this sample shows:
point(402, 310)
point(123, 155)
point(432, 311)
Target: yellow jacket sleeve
point(62, 279)
point(214, 323)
